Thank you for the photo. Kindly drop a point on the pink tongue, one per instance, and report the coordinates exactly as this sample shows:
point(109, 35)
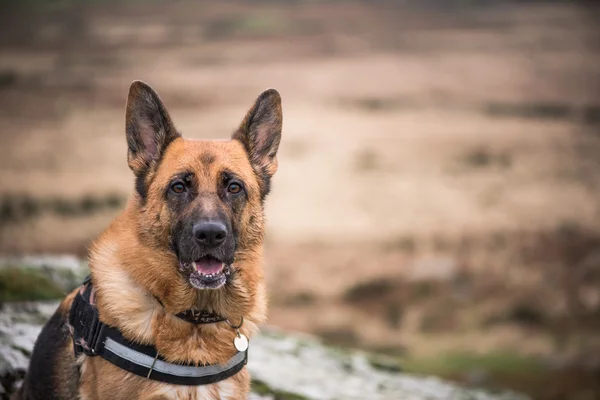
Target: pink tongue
point(208, 266)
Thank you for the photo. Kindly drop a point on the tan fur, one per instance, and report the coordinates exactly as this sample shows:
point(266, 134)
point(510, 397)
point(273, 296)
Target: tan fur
point(130, 274)
point(132, 267)
point(140, 264)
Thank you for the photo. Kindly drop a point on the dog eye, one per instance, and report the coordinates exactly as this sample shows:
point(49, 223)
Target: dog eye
point(178, 187)
point(234, 188)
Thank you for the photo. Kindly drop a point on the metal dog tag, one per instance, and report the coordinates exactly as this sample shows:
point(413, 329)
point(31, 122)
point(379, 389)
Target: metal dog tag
point(240, 342)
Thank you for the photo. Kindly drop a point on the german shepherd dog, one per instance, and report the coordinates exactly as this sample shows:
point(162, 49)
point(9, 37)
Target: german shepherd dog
point(189, 242)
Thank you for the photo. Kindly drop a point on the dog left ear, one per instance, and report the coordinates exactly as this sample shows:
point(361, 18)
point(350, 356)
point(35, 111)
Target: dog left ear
point(148, 127)
point(260, 133)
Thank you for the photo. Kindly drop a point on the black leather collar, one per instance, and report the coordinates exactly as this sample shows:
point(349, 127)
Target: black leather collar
point(94, 338)
point(200, 317)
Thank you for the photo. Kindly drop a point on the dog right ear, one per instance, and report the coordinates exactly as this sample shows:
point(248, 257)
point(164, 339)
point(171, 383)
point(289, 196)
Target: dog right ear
point(149, 129)
point(260, 134)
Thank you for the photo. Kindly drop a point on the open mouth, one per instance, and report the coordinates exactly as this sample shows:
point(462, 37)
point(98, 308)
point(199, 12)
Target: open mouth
point(207, 272)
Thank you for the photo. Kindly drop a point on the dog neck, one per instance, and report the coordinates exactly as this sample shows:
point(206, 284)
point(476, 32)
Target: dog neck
point(129, 278)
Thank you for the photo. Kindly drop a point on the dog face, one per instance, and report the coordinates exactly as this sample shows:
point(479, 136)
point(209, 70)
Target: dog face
point(201, 201)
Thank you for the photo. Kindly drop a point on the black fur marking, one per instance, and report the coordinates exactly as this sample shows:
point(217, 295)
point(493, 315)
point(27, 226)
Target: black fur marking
point(140, 187)
point(186, 247)
point(260, 134)
point(140, 180)
point(237, 201)
point(207, 158)
point(266, 187)
point(149, 131)
point(178, 201)
point(187, 210)
point(52, 373)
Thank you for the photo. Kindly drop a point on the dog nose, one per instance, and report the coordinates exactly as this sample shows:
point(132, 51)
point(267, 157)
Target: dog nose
point(210, 234)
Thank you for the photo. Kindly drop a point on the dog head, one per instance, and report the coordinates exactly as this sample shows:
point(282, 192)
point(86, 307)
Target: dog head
point(200, 203)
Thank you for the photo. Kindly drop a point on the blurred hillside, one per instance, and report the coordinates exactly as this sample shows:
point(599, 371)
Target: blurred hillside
point(438, 195)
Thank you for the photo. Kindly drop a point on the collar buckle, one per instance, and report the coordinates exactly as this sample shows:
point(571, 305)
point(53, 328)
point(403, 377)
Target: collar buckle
point(87, 330)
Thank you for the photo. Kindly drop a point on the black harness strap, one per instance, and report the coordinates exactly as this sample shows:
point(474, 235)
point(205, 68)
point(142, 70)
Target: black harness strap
point(94, 338)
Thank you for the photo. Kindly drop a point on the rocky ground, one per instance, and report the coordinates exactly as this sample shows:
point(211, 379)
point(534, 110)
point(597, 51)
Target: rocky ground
point(284, 366)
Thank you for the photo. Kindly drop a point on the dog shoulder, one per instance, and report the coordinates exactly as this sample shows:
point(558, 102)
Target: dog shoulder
point(53, 373)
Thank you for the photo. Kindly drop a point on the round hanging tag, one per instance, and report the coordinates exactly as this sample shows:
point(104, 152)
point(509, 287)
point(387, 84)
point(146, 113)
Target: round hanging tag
point(241, 342)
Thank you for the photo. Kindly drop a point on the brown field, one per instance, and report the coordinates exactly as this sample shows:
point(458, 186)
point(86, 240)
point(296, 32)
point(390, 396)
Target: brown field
point(439, 181)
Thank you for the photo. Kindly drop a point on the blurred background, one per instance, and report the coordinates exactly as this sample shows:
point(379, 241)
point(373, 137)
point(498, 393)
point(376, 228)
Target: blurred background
point(438, 195)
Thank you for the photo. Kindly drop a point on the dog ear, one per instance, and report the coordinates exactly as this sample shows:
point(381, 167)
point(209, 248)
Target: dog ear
point(260, 133)
point(148, 127)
